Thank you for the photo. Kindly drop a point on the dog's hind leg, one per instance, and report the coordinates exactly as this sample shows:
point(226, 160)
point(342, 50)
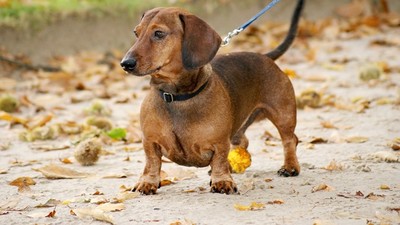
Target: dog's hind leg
point(239, 139)
point(285, 122)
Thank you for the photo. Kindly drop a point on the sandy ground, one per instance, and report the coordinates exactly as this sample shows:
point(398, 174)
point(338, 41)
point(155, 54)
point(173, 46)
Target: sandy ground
point(342, 181)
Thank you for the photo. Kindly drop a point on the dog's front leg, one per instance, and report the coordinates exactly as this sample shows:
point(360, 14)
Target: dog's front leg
point(149, 182)
point(221, 179)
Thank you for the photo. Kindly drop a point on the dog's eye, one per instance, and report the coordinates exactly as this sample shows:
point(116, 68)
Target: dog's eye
point(159, 35)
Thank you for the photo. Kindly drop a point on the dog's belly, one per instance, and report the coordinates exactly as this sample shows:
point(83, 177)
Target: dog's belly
point(188, 157)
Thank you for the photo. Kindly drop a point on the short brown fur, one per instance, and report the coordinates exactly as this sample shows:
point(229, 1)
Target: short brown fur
point(240, 88)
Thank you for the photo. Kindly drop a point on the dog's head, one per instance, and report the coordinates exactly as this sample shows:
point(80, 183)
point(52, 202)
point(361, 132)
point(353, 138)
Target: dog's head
point(170, 40)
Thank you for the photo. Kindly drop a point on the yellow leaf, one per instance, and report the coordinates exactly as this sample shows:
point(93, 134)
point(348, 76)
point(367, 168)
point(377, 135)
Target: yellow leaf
point(12, 119)
point(252, 207)
point(290, 73)
point(385, 187)
point(239, 159)
point(66, 161)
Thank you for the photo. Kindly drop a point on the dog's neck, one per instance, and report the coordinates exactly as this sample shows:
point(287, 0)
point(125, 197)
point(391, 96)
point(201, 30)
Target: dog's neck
point(187, 82)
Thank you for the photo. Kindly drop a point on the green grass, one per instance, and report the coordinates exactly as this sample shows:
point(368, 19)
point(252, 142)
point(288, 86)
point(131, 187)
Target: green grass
point(18, 13)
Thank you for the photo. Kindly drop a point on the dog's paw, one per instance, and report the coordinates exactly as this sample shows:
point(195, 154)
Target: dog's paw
point(146, 188)
point(224, 187)
point(283, 172)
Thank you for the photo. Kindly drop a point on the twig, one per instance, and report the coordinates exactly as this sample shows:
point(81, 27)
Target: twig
point(29, 66)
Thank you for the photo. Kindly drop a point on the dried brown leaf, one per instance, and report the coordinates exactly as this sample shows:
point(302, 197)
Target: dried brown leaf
point(276, 202)
point(23, 183)
point(373, 196)
point(321, 187)
point(334, 166)
point(51, 214)
point(52, 171)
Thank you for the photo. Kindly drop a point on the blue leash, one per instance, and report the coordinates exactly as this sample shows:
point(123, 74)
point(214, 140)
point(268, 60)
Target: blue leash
point(236, 31)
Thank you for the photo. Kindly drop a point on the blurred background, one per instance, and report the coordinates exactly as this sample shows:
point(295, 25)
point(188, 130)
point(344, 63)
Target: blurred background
point(40, 29)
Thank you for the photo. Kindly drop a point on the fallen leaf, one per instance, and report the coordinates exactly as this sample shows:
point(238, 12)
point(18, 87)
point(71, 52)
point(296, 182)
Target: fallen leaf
point(373, 196)
point(384, 187)
point(52, 171)
point(166, 183)
point(116, 175)
point(4, 170)
point(290, 73)
point(276, 202)
point(356, 139)
point(394, 209)
point(50, 203)
point(9, 205)
point(334, 166)
point(252, 207)
point(353, 9)
point(95, 213)
point(127, 195)
point(184, 222)
point(388, 217)
point(23, 183)
point(51, 214)
point(395, 144)
point(66, 161)
point(111, 207)
point(316, 140)
point(39, 122)
point(384, 156)
point(44, 146)
point(117, 133)
point(328, 125)
point(321, 187)
point(11, 118)
point(178, 174)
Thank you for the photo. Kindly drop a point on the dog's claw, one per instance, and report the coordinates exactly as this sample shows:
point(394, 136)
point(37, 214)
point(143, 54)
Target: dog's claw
point(224, 187)
point(285, 173)
point(146, 188)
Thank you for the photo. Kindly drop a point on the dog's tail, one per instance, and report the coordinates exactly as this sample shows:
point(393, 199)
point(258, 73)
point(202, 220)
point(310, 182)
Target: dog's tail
point(277, 52)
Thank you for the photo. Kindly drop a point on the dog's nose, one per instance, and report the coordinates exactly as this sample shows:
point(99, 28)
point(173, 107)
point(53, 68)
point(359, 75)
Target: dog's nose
point(128, 64)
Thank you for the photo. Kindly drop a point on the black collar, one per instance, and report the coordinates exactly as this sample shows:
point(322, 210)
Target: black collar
point(168, 97)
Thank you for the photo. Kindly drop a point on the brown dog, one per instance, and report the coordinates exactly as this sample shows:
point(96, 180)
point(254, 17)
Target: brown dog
point(199, 105)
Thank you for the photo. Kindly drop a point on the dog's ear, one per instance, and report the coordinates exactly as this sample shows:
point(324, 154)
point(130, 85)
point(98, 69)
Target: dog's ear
point(200, 42)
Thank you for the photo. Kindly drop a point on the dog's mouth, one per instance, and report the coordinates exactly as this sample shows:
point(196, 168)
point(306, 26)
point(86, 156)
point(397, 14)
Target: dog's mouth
point(140, 74)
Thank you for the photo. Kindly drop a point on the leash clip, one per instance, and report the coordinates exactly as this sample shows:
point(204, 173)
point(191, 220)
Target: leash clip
point(228, 38)
point(168, 97)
